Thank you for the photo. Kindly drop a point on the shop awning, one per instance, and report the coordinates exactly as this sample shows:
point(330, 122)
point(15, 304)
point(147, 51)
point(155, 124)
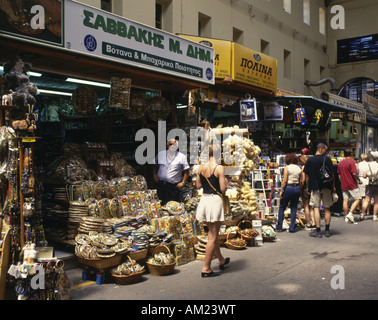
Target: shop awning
point(311, 102)
point(372, 122)
point(54, 60)
point(80, 39)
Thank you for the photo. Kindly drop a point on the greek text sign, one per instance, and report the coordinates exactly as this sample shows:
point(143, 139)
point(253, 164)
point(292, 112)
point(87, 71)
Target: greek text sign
point(105, 35)
point(87, 30)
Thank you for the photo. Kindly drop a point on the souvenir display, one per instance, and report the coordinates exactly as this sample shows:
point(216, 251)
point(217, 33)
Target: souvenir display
point(268, 233)
point(107, 211)
point(162, 261)
point(128, 272)
point(174, 207)
point(137, 107)
point(300, 116)
point(240, 151)
point(84, 100)
point(89, 224)
point(159, 108)
point(120, 93)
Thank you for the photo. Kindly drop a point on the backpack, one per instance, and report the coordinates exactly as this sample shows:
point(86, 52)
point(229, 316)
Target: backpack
point(326, 175)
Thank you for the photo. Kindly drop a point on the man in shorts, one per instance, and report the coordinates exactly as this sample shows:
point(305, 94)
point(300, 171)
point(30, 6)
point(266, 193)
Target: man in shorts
point(347, 171)
point(319, 192)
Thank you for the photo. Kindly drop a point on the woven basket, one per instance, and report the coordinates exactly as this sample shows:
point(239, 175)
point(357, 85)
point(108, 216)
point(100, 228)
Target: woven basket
point(230, 222)
point(101, 264)
point(137, 107)
point(161, 269)
point(84, 100)
point(151, 249)
point(129, 278)
point(223, 236)
point(233, 246)
point(243, 236)
point(158, 108)
point(139, 256)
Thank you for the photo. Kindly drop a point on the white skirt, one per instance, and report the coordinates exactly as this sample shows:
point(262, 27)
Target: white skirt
point(210, 208)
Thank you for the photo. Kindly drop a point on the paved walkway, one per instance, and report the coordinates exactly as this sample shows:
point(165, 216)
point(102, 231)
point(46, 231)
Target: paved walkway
point(295, 267)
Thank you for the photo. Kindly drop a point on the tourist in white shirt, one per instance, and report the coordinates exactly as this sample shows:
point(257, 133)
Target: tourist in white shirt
point(170, 173)
point(372, 187)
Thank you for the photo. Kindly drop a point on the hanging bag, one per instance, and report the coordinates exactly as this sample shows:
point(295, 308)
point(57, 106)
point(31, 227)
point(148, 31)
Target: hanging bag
point(326, 176)
point(225, 199)
point(373, 181)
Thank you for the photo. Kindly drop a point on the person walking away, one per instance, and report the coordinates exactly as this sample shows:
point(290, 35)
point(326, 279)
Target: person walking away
point(290, 191)
point(320, 191)
point(372, 188)
point(347, 171)
point(305, 197)
point(362, 169)
point(337, 207)
point(211, 178)
point(170, 172)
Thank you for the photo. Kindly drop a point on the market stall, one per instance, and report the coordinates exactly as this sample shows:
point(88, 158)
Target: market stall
point(53, 131)
point(71, 177)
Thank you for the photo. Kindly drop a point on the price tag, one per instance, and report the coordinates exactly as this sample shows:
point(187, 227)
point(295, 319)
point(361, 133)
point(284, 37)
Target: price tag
point(28, 140)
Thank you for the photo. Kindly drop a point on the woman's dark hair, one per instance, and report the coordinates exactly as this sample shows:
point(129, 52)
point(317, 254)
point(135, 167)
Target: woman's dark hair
point(291, 158)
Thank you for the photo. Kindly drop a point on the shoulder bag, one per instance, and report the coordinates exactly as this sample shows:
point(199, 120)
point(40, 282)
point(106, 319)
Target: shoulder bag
point(225, 199)
point(373, 180)
point(326, 175)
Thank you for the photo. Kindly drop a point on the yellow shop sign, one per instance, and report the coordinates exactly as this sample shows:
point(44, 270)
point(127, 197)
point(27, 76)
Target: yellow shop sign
point(242, 64)
point(254, 68)
point(222, 54)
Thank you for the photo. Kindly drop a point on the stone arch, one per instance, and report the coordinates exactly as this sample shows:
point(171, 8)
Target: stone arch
point(353, 89)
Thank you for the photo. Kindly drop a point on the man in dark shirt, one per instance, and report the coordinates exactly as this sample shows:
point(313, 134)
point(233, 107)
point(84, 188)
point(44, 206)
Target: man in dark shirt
point(319, 192)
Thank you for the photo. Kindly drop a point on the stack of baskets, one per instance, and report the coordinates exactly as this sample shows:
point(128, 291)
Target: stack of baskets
point(161, 269)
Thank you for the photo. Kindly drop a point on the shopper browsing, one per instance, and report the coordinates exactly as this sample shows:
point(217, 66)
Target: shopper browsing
point(211, 178)
point(309, 212)
point(170, 173)
point(362, 169)
point(372, 188)
point(320, 190)
point(290, 191)
point(347, 171)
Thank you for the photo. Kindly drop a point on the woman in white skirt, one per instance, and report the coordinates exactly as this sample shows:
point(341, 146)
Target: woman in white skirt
point(211, 176)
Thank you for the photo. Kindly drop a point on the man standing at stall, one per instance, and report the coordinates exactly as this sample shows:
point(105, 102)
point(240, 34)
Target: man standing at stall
point(320, 191)
point(170, 172)
point(347, 171)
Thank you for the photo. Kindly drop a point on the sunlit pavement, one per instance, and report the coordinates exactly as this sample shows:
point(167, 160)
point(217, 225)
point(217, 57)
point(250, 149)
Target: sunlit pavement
point(295, 266)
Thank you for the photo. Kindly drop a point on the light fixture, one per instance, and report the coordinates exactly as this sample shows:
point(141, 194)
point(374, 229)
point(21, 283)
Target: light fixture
point(91, 83)
point(34, 74)
point(59, 93)
point(180, 106)
point(30, 73)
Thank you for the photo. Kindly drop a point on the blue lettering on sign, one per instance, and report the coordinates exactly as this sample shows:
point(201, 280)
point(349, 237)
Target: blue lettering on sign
point(90, 43)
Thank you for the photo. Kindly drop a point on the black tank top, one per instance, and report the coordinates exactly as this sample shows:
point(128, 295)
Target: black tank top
point(213, 180)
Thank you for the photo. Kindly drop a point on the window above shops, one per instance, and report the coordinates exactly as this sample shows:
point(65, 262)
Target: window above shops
point(357, 49)
point(355, 89)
